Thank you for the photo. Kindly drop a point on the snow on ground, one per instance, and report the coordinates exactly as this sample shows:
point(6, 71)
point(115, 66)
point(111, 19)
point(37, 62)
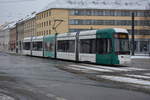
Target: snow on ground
point(121, 77)
point(136, 69)
point(125, 79)
point(140, 57)
point(104, 68)
point(138, 76)
point(148, 74)
point(110, 68)
point(4, 97)
point(115, 68)
point(91, 68)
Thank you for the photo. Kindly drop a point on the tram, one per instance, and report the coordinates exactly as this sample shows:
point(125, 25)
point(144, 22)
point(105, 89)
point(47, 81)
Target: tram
point(102, 46)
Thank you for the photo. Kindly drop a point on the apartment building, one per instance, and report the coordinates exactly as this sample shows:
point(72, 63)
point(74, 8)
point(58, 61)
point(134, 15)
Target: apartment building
point(29, 27)
point(13, 39)
point(20, 35)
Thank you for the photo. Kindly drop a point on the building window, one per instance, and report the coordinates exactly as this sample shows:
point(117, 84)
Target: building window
point(108, 22)
point(49, 13)
point(47, 32)
point(49, 22)
point(140, 32)
point(107, 13)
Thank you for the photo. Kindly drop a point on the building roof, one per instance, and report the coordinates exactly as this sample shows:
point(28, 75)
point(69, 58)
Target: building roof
point(8, 25)
point(99, 4)
point(28, 17)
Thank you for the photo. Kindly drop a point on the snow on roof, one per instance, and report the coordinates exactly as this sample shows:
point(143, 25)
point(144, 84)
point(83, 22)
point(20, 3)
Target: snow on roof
point(9, 25)
point(120, 30)
point(99, 4)
point(32, 15)
point(13, 23)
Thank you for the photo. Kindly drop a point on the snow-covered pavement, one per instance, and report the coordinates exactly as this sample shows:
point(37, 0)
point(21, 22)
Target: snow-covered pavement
point(125, 79)
point(127, 75)
point(105, 68)
point(140, 57)
point(5, 97)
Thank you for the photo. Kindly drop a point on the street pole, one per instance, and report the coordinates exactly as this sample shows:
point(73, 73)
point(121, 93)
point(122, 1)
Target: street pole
point(54, 27)
point(132, 38)
point(77, 46)
point(17, 37)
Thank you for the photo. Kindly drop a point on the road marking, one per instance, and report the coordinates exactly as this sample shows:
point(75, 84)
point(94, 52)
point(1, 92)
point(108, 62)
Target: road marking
point(125, 79)
point(138, 76)
point(91, 68)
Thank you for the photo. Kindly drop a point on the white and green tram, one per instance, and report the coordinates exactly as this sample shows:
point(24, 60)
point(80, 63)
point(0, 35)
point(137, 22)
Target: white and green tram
point(102, 46)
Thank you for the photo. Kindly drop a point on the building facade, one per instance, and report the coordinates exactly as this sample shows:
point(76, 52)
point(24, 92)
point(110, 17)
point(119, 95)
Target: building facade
point(4, 39)
point(20, 36)
point(1, 40)
point(29, 27)
point(13, 39)
point(52, 21)
point(73, 20)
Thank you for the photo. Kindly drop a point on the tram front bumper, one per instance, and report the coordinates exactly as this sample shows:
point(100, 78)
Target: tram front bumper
point(124, 59)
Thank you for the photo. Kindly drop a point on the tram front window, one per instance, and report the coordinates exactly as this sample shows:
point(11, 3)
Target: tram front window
point(122, 44)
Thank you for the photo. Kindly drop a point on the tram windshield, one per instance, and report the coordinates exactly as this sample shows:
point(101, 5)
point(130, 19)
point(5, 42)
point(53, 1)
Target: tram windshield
point(122, 44)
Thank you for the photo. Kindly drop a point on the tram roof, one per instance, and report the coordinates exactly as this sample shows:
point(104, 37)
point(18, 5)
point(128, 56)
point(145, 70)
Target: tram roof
point(27, 39)
point(38, 38)
point(112, 30)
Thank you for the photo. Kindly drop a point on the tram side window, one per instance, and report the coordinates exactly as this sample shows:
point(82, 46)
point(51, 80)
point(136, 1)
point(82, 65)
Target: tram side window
point(104, 46)
point(66, 46)
point(87, 45)
point(71, 47)
point(26, 46)
point(37, 46)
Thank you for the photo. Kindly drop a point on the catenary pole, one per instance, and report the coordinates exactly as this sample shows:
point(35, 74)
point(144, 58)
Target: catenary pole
point(132, 38)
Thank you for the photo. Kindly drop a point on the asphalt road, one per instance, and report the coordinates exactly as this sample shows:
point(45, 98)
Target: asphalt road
point(30, 78)
point(140, 63)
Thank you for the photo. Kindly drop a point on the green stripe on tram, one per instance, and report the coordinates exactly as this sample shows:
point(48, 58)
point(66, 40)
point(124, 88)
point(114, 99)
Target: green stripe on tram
point(49, 39)
point(110, 58)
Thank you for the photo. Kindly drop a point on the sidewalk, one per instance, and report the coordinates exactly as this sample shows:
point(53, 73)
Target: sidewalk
point(140, 57)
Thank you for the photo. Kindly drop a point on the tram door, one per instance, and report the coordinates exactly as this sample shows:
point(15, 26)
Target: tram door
point(104, 51)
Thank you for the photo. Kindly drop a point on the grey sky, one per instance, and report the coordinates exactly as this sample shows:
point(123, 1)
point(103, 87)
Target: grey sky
point(11, 10)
